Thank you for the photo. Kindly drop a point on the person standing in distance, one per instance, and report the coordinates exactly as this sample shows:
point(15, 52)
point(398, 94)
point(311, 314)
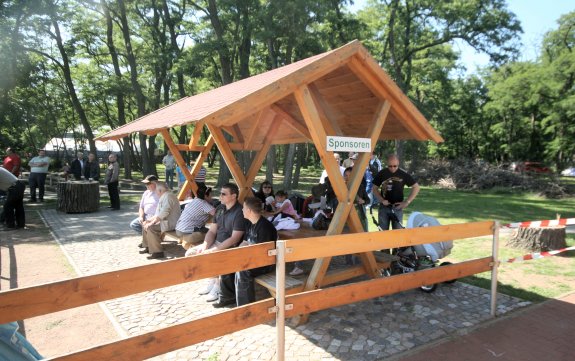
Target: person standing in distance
point(92, 168)
point(77, 166)
point(170, 164)
point(38, 171)
point(392, 181)
point(12, 162)
point(112, 180)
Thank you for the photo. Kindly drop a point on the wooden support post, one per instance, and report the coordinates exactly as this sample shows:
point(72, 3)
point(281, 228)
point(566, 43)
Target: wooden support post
point(179, 159)
point(229, 157)
point(196, 168)
point(260, 157)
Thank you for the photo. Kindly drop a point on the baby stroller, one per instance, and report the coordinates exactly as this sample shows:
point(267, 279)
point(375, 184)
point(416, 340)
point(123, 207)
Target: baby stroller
point(419, 257)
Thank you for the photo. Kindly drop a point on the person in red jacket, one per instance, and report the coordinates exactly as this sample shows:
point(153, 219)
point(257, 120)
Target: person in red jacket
point(12, 162)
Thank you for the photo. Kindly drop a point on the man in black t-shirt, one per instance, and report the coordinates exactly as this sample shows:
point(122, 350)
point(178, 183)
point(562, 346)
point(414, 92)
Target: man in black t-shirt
point(392, 180)
point(259, 230)
point(226, 231)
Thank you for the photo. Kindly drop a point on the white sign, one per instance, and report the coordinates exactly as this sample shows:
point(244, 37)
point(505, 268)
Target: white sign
point(348, 144)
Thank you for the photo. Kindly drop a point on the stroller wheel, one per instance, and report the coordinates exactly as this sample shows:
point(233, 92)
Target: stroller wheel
point(446, 264)
point(428, 288)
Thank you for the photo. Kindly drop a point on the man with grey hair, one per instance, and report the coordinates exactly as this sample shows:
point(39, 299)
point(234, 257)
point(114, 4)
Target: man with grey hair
point(164, 220)
point(112, 180)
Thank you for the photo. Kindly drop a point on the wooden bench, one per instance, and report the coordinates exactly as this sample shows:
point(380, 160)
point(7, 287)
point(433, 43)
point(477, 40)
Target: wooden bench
point(295, 285)
point(171, 237)
point(268, 280)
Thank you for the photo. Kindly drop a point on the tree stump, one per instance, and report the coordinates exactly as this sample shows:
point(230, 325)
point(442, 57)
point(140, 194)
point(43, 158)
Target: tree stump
point(538, 239)
point(78, 196)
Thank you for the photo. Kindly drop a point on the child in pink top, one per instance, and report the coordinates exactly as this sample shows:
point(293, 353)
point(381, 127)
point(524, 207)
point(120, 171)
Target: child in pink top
point(284, 205)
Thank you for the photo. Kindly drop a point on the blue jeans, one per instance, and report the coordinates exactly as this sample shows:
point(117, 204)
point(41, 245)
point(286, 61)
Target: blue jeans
point(385, 217)
point(170, 178)
point(136, 226)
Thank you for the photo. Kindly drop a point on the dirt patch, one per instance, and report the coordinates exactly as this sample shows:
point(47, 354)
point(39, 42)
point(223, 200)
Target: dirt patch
point(32, 257)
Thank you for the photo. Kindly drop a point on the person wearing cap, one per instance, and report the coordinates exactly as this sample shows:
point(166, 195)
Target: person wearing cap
point(148, 204)
point(191, 226)
point(38, 171)
point(164, 220)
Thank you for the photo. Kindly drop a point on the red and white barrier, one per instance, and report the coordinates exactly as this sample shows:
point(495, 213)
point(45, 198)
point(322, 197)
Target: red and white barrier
point(538, 255)
point(546, 223)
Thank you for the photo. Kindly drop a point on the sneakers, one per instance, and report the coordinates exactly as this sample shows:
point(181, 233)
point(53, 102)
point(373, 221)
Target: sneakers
point(214, 294)
point(209, 286)
point(296, 271)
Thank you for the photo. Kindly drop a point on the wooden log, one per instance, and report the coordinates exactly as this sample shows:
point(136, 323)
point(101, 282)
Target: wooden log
point(538, 239)
point(78, 196)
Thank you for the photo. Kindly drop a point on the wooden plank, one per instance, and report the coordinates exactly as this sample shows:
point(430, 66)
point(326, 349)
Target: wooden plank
point(284, 87)
point(380, 84)
point(180, 161)
point(318, 133)
point(179, 336)
point(228, 156)
point(196, 168)
point(264, 116)
point(291, 121)
point(20, 304)
point(336, 245)
point(196, 134)
point(328, 115)
point(260, 157)
point(317, 300)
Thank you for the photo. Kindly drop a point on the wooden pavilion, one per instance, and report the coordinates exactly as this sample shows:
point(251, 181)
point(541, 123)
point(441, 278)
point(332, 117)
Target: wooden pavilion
point(343, 92)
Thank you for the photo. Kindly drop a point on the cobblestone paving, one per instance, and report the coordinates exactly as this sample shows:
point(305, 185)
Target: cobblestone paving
point(369, 330)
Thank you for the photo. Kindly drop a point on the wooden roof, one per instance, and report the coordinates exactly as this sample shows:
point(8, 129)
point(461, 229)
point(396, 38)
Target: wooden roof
point(347, 82)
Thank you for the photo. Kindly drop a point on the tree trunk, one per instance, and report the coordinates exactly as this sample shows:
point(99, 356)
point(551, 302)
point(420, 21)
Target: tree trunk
point(288, 167)
point(65, 66)
point(148, 165)
point(538, 239)
point(271, 164)
point(78, 197)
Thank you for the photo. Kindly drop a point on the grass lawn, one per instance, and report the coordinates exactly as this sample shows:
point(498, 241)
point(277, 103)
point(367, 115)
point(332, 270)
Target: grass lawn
point(534, 280)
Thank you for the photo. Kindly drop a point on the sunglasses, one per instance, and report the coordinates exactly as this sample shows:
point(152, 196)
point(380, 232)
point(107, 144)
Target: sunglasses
point(392, 166)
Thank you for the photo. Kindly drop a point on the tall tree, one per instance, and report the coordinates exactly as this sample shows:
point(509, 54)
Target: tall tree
point(403, 29)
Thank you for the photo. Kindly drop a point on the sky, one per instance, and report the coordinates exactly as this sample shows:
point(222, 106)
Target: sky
point(536, 17)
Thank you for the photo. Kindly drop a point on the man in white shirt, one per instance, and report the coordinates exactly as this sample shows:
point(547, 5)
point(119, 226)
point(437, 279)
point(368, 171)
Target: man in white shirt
point(38, 171)
point(164, 220)
point(148, 204)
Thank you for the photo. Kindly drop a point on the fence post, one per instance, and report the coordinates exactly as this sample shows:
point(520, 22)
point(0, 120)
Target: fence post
point(280, 300)
point(495, 255)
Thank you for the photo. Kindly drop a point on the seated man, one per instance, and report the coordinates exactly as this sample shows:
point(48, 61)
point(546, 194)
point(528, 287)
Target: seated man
point(192, 222)
point(259, 230)
point(148, 204)
point(226, 231)
point(164, 220)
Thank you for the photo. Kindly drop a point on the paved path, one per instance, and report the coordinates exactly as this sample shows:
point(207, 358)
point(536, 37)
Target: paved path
point(369, 330)
point(541, 332)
